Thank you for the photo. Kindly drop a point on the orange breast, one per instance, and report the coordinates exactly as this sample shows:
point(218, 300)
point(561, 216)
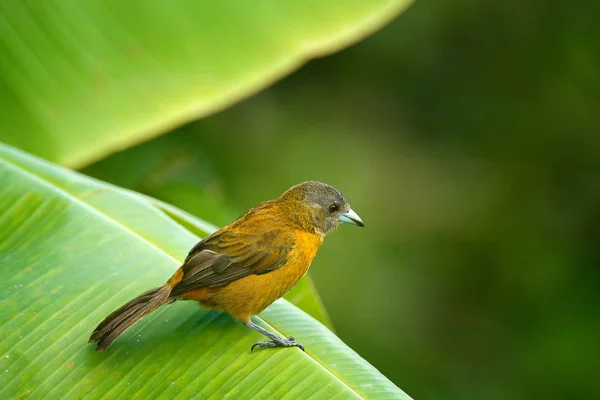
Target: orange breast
point(252, 294)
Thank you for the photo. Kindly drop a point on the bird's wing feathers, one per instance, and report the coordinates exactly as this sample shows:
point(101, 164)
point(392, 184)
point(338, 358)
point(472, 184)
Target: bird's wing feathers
point(230, 255)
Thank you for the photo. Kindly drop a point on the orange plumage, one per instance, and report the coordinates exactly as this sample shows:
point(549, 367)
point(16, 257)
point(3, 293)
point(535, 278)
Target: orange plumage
point(245, 266)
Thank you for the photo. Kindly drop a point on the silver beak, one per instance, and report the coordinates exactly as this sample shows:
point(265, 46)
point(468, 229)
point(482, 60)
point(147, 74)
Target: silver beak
point(351, 218)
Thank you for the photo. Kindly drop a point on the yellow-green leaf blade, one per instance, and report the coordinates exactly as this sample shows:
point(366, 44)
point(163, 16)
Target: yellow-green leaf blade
point(66, 264)
point(81, 80)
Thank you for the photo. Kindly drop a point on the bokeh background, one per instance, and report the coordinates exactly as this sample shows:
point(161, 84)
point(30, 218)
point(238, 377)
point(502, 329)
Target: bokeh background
point(465, 134)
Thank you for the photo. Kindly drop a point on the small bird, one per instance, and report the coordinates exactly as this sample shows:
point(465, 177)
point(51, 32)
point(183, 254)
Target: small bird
point(247, 265)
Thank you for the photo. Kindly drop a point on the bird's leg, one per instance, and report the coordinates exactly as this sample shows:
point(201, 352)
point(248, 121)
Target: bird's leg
point(275, 341)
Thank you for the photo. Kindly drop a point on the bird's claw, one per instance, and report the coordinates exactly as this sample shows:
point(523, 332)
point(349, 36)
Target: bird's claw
point(289, 342)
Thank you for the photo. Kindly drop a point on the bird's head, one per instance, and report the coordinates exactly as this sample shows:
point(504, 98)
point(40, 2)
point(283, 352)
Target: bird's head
point(322, 206)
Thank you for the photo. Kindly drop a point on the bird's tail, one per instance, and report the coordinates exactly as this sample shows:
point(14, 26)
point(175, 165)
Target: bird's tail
point(121, 319)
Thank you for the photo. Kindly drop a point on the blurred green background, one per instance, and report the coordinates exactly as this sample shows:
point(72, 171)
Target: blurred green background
point(465, 134)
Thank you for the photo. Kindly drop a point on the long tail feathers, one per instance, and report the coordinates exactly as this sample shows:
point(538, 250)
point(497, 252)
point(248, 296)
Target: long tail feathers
point(121, 319)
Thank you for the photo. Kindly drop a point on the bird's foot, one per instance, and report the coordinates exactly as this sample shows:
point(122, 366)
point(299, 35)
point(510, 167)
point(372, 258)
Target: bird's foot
point(289, 342)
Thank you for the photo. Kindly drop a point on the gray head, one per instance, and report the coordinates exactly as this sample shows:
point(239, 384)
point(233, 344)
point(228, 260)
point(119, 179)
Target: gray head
point(326, 206)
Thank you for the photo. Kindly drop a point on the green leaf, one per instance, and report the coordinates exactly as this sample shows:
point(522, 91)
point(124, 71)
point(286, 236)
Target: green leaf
point(82, 79)
point(73, 249)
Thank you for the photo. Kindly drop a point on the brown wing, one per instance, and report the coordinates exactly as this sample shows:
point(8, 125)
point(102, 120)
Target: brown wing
point(230, 255)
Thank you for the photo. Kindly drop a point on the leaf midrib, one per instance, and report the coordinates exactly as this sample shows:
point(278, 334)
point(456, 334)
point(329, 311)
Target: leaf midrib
point(123, 227)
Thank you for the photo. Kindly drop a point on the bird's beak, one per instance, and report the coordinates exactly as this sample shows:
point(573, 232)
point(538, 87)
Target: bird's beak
point(351, 218)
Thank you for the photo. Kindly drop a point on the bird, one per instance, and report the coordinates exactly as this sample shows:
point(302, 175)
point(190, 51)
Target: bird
point(248, 264)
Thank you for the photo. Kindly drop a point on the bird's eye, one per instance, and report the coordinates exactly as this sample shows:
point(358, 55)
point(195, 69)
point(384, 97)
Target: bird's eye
point(333, 208)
